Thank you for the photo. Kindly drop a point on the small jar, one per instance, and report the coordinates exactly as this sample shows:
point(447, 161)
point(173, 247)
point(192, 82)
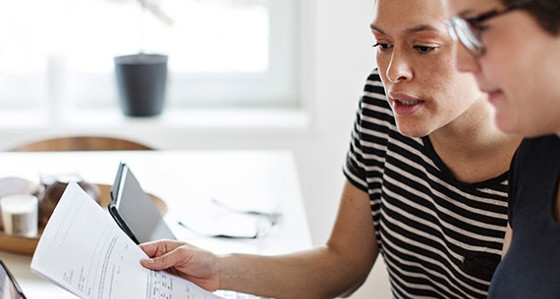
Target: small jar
point(19, 215)
point(53, 192)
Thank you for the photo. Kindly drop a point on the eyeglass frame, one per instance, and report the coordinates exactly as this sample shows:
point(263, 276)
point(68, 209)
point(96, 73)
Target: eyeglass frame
point(467, 30)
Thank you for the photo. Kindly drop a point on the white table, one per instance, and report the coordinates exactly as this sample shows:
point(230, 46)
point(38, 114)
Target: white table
point(181, 178)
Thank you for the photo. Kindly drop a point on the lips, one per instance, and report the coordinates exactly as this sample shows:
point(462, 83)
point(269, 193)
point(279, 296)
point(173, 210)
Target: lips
point(493, 95)
point(404, 104)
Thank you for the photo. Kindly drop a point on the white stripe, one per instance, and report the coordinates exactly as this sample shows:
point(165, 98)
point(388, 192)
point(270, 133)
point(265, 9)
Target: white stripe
point(447, 186)
point(377, 108)
point(414, 286)
point(377, 121)
point(375, 83)
point(375, 95)
point(438, 228)
point(368, 144)
point(354, 158)
point(374, 180)
point(357, 152)
point(440, 208)
point(413, 151)
point(431, 261)
point(354, 177)
point(369, 168)
point(495, 192)
point(373, 146)
point(371, 132)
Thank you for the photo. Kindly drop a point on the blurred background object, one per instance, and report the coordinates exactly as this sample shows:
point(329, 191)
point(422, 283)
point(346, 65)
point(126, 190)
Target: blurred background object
point(15, 185)
point(81, 143)
point(142, 77)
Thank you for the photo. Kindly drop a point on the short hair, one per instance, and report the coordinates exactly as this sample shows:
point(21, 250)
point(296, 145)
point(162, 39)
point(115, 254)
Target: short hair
point(545, 12)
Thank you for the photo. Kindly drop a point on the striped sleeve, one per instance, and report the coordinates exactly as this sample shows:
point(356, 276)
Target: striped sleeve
point(373, 119)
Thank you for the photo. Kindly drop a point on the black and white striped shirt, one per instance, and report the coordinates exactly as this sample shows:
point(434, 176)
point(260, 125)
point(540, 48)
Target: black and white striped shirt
point(439, 237)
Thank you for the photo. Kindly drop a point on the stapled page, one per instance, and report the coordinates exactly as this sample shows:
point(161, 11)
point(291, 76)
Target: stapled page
point(84, 251)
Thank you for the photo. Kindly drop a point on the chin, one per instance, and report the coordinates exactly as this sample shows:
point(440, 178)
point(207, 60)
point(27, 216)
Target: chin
point(510, 128)
point(516, 130)
point(411, 131)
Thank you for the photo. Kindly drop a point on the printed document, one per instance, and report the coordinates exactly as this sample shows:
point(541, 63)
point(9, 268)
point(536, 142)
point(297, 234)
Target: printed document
point(84, 251)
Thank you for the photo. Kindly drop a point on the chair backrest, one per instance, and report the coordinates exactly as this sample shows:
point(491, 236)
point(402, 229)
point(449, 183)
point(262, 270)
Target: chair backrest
point(82, 143)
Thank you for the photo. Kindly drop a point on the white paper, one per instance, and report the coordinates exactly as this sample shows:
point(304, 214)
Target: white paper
point(84, 251)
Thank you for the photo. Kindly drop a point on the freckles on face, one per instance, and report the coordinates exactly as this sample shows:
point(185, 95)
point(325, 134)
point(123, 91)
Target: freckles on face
point(417, 62)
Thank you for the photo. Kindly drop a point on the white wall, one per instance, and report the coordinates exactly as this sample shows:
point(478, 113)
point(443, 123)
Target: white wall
point(338, 58)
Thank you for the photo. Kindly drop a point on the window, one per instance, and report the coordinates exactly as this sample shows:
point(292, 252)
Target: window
point(221, 52)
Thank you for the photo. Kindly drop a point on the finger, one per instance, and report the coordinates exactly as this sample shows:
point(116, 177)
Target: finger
point(157, 248)
point(164, 261)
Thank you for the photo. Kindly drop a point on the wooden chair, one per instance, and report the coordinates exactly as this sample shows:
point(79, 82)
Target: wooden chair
point(81, 143)
point(101, 192)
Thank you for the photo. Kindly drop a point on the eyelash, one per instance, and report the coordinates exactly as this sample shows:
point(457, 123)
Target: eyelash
point(381, 46)
point(424, 49)
point(420, 49)
point(481, 28)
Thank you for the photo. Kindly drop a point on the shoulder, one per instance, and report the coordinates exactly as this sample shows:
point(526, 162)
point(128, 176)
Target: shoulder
point(374, 88)
point(373, 104)
point(533, 156)
point(537, 148)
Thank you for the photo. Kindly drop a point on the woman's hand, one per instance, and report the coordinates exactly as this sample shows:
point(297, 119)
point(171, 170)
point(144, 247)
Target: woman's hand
point(182, 259)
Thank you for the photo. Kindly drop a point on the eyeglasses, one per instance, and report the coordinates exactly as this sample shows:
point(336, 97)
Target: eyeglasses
point(468, 30)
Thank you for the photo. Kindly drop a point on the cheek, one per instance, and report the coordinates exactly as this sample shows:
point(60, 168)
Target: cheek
point(439, 70)
point(440, 77)
point(382, 63)
point(499, 72)
point(456, 91)
point(504, 60)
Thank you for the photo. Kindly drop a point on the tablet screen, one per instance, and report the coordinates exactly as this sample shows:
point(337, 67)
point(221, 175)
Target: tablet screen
point(136, 209)
point(8, 287)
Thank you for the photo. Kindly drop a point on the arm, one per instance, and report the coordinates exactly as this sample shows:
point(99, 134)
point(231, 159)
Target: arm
point(337, 268)
point(507, 240)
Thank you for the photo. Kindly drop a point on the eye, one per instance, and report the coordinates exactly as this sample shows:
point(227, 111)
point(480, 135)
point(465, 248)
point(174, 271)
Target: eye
point(424, 49)
point(382, 46)
point(481, 28)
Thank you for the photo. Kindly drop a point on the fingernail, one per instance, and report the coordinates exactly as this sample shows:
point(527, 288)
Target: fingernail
point(149, 261)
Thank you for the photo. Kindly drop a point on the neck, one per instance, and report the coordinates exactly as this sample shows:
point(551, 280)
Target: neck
point(472, 147)
point(465, 135)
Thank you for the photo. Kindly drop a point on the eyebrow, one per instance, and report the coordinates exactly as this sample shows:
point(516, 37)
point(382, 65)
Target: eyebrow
point(467, 12)
point(409, 30)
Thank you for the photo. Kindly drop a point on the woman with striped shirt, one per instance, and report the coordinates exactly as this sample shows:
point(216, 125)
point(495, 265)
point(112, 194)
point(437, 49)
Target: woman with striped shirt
point(426, 183)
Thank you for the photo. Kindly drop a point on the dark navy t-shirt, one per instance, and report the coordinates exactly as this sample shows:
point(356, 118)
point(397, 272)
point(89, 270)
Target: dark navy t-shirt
point(531, 267)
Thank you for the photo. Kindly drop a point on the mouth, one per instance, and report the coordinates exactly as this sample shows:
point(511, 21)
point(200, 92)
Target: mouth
point(407, 103)
point(493, 94)
point(404, 104)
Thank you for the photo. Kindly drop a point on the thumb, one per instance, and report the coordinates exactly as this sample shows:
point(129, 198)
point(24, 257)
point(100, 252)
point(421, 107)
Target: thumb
point(162, 262)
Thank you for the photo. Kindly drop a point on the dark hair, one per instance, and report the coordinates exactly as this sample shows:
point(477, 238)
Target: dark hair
point(545, 12)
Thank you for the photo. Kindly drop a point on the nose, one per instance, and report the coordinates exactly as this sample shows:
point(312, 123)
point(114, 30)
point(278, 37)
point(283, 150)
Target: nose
point(465, 61)
point(398, 69)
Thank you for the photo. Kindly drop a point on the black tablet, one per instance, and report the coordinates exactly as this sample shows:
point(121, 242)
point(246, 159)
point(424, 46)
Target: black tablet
point(134, 210)
point(9, 289)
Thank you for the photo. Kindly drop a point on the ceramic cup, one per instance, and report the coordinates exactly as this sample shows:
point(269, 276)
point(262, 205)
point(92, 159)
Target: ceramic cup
point(20, 214)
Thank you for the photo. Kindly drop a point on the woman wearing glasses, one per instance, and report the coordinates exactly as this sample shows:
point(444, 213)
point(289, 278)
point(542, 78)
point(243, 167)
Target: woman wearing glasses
point(513, 50)
point(426, 183)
